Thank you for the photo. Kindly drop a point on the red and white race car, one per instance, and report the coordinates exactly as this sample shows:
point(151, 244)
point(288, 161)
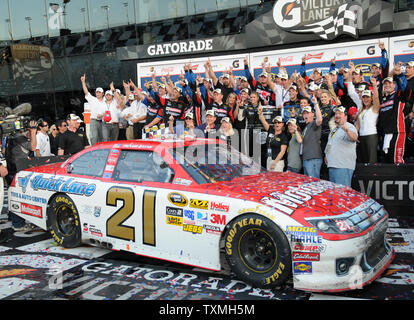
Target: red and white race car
point(182, 201)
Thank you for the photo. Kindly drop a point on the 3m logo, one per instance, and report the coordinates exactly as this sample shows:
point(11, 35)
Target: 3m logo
point(31, 210)
point(199, 204)
point(217, 218)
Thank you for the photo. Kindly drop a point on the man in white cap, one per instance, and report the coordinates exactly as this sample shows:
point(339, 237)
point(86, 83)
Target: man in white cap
point(208, 128)
point(261, 86)
point(113, 108)
point(340, 151)
point(72, 140)
point(97, 106)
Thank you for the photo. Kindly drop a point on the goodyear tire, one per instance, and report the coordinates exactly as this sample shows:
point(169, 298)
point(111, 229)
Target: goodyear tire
point(257, 251)
point(63, 221)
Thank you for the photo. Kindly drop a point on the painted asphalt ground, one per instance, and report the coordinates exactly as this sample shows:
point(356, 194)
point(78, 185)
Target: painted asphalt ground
point(33, 267)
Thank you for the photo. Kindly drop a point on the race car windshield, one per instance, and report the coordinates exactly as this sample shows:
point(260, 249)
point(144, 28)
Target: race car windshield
point(215, 162)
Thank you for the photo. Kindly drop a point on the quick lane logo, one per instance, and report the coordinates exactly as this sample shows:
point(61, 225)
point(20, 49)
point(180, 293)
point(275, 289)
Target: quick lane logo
point(199, 204)
point(326, 18)
point(23, 182)
point(177, 199)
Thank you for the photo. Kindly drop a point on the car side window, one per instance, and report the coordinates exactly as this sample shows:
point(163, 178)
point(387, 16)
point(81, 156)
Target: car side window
point(138, 166)
point(90, 164)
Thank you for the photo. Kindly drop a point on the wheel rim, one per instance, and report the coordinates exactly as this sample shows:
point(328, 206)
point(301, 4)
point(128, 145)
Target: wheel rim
point(65, 220)
point(257, 250)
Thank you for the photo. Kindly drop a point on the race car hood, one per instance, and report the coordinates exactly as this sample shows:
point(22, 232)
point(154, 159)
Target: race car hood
point(297, 195)
point(51, 168)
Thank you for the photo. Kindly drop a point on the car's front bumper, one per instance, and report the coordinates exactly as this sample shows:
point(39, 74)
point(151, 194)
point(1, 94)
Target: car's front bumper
point(345, 264)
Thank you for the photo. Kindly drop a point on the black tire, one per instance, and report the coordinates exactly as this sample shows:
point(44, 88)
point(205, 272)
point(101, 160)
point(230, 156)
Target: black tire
point(258, 251)
point(63, 221)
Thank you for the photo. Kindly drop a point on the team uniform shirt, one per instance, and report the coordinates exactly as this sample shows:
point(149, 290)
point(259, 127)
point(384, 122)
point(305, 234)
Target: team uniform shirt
point(114, 110)
point(275, 142)
point(171, 108)
point(73, 142)
point(152, 111)
point(96, 106)
point(43, 144)
point(222, 111)
point(392, 113)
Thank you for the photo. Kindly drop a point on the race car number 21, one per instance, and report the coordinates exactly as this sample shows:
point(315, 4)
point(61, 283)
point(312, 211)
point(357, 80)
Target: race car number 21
point(114, 224)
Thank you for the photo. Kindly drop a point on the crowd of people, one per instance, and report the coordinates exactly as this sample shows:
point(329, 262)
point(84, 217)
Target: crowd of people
point(300, 123)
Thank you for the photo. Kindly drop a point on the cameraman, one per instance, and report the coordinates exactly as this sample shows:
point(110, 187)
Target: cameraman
point(20, 146)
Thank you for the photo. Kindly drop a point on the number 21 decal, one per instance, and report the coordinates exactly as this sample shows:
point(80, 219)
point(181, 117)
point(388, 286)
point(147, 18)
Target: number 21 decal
point(114, 224)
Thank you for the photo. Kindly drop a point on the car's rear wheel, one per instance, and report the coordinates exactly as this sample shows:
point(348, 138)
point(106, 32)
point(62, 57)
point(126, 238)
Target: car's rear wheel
point(63, 221)
point(257, 251)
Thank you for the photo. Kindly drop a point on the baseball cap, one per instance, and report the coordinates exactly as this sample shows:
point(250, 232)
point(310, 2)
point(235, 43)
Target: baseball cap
point(291, 120)
point(410, 63)
point(210, 112)
point(352, 111)
point(307, 109)
point(217, 90)
point(314, 86)
point(109, 92)
point(278, 119)
point(263, 74)
point(189, 115)
point(294, 87)
point(245, 90)
point(366, 93)
point(376, 65)
point(99, 89)
point(334, 72)
point(243, 79)
point(283, 76)
point(131, 97)
point(340, 109)
point(227, 119)
point(362, 87)
point(162, 85)
point(226, 75)
point(357, 71)
point(318, 70)
point(390, 79)
point(72, 116)
point(178, 89)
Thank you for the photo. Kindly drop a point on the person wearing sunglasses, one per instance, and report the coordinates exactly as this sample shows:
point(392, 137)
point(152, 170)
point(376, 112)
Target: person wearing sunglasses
point(42, 140)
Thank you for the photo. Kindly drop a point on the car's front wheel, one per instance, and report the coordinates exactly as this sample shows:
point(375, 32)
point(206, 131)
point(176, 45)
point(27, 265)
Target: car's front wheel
point(258, 251)
point(63, 221)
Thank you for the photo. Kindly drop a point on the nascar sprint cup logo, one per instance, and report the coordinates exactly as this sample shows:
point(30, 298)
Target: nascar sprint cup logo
point(325, 18)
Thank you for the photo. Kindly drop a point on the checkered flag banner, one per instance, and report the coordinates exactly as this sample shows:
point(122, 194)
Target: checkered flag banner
point(155, 132)
point(343, 21)
point(22, 70)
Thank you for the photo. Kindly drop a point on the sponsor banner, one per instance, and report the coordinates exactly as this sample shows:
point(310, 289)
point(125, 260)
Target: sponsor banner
point(182, 47)
point(177, 212)
point(175, 67)
point(193, 228)
point(402, 49)
point(390, 185)
point(361, 53)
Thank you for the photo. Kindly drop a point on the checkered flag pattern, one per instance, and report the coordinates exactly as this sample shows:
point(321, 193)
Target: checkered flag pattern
point(154, 132)
point(22, 70)
point(344, 21)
